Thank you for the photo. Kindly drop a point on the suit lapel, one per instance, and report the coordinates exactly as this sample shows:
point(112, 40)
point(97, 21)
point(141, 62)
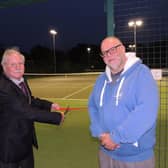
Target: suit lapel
point(18, 90)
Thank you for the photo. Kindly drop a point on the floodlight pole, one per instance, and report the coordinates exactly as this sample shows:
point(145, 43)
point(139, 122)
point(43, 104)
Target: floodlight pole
point(88, 50)
point(134, 24)
point(53, 33)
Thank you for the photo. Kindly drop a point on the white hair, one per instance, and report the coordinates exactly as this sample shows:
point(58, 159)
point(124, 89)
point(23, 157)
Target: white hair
point(9, 52)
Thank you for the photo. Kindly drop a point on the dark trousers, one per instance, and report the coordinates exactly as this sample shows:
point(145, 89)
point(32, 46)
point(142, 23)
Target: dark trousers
point(28, 162)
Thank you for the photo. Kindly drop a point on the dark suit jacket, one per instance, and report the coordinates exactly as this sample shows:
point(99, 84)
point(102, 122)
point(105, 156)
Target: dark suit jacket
point(17, 116)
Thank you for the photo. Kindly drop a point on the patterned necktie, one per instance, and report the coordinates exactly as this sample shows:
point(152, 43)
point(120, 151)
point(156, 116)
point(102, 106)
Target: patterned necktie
point(24, 88)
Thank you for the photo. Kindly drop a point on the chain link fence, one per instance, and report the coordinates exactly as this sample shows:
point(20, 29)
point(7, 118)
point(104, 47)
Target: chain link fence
point(151, 39)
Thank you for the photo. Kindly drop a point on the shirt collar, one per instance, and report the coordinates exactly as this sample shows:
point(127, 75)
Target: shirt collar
point(17, 81)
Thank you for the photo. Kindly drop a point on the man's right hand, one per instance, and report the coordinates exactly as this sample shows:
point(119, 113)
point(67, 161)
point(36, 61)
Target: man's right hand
point(107, 142)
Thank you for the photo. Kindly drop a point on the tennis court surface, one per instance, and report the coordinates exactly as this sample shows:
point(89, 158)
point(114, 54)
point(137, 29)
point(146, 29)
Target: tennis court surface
point(68, 146)
point(71, 146)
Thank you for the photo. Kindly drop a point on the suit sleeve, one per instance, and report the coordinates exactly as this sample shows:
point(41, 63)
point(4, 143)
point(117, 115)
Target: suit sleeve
point(40, 103)
point(17, 108)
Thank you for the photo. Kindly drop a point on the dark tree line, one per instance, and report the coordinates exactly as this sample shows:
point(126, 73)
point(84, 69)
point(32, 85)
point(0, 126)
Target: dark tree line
point(80, 59)
point(41, 59)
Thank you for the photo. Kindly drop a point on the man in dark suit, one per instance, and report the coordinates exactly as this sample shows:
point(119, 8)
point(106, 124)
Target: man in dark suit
point(18, 111)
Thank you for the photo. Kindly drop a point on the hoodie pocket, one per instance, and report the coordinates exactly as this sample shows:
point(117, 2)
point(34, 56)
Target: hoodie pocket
point(127, 149)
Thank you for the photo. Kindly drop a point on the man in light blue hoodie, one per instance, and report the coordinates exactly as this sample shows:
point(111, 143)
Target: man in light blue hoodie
point(123, 109)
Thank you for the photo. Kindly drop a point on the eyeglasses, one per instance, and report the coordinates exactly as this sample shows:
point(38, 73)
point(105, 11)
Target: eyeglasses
point(13, 65)
point(110, 51)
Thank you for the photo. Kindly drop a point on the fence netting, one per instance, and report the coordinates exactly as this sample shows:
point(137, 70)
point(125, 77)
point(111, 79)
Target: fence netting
point(152, 48)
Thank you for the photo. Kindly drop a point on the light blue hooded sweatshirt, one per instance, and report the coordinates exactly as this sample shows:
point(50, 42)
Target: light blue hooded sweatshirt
point(127, 109)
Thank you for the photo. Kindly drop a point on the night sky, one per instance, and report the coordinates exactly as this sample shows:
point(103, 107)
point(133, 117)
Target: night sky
point(76, 21)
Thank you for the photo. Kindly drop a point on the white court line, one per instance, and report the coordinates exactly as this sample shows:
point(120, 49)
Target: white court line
point(78, 91)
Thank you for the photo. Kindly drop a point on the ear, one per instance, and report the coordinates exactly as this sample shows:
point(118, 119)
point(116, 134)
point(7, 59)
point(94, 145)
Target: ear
point(123, 48)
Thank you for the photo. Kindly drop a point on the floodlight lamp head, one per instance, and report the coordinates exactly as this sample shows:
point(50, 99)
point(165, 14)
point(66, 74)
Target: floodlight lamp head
point(53, 32)
point(131, 23)
point(139, 22)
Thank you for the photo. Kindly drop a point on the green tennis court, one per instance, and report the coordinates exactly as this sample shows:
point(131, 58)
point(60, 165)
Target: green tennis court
point(71, 146)
point(68, 146)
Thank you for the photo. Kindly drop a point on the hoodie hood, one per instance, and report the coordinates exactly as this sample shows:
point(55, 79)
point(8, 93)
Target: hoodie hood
point(131, 60)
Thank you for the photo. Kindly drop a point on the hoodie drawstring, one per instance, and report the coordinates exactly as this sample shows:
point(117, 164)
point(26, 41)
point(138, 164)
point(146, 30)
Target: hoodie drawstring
point(102, 93)
point(117, 94)
point(118, 90)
